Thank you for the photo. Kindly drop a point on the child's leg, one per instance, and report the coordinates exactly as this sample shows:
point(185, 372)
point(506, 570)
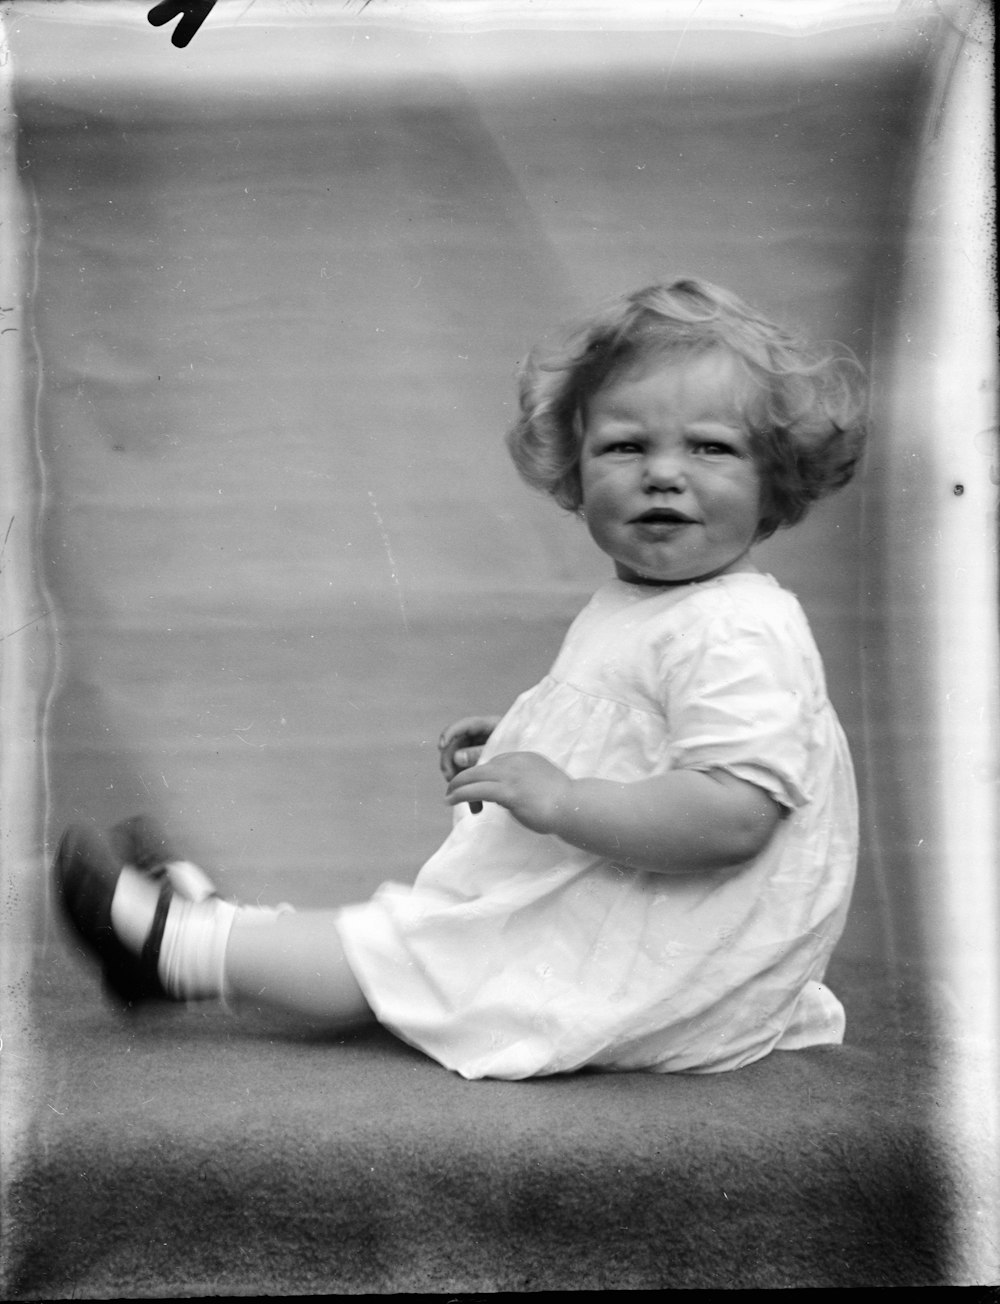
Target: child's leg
point(294, 962)
point(154, 943)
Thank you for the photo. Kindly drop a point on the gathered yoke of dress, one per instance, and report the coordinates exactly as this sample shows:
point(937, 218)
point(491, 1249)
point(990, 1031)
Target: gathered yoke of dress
point(515, 954)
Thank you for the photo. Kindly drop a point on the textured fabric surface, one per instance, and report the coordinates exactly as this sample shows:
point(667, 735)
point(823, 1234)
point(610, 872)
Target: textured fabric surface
point(179, 1153)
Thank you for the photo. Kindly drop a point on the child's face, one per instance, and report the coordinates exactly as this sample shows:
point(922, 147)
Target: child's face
point(670, 488)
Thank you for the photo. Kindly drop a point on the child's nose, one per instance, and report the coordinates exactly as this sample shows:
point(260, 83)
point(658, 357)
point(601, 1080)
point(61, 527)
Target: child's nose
point(664, 471)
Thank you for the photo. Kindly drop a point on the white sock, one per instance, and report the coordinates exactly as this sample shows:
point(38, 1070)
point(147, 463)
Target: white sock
point(195, 932)
point(192, 964)
point(193, 949)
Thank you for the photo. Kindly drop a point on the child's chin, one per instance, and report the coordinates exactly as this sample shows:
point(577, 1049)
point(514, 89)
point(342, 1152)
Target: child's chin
point(655, 578)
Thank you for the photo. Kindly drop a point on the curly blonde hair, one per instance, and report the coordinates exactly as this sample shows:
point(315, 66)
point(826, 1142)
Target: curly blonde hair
point(805, 418)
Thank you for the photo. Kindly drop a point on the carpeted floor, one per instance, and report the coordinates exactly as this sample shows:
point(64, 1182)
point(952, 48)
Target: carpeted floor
point(178, 1153)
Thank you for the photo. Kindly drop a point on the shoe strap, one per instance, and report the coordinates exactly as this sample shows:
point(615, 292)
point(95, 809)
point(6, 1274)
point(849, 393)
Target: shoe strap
point(149, 959)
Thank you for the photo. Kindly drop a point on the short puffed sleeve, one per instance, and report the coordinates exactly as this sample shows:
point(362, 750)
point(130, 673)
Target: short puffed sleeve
point(742, 690)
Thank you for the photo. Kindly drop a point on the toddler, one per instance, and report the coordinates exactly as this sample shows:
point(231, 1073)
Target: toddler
point(653, 850)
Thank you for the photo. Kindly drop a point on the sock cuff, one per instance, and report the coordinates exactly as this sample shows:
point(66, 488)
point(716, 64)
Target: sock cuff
point(193, 950)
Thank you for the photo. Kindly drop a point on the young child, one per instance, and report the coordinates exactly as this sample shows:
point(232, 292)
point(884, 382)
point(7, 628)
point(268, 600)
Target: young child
point(654, 849)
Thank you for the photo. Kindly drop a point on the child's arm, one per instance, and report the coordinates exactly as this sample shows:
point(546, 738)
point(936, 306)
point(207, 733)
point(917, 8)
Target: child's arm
point(676, 823)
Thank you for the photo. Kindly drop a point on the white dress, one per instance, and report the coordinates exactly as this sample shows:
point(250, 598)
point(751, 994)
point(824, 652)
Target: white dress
point(515, 954)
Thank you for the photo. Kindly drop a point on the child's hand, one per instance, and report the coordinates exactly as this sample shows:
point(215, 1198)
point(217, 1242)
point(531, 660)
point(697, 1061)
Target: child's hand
point(530, 787)
point(462, 743)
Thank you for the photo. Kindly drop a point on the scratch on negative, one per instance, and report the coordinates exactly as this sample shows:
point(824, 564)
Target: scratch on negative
point(26, 625)
point(392, 560)
point(677, 48)
point(3, 550)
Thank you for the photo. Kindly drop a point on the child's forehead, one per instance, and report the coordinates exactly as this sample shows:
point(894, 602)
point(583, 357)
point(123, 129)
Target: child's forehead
point(716, 378)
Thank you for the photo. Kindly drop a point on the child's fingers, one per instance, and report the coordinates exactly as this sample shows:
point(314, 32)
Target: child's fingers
point(456, 758)
point(468, 725)
point(457, 798)
point(457, 755)
point(471, 729)
point(458, 782)
point(448, 767)
point(472, 787)
point(474, 806)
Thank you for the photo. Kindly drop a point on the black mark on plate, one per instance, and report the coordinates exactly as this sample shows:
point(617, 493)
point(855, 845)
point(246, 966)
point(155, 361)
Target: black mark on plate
point(194, 13)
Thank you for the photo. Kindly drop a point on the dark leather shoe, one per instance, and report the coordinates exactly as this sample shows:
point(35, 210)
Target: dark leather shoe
point(86, 875)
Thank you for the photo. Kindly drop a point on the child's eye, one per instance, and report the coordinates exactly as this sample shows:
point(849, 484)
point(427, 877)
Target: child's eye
point(714, 447)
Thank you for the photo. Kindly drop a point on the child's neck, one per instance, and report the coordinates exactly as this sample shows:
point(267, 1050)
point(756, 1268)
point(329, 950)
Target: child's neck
point(742, 566)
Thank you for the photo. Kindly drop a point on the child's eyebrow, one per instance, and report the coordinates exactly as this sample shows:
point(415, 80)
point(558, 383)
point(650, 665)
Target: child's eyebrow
point(732, 427)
